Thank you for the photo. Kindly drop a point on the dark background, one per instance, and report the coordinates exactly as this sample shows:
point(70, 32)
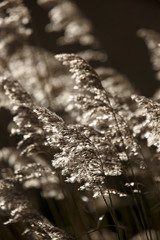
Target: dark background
point(116, 23)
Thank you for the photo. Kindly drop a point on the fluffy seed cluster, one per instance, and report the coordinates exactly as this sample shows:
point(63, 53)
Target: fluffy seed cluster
point(65, 16)
point(149, 127)
point(72, 123)
point(17, 207)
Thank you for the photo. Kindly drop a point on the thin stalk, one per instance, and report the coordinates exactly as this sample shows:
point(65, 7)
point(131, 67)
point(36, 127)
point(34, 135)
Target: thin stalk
point(122, 140)
point(112, 214)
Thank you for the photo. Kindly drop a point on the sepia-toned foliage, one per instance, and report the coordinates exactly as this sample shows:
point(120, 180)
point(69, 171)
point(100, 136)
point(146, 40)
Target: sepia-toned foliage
point(83, 157)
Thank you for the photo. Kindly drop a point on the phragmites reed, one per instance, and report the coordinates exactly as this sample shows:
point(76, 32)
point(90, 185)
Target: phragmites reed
point(82, 159)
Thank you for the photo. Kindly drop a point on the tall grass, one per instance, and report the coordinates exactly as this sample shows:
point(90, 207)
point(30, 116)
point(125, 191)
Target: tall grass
point(82, 160)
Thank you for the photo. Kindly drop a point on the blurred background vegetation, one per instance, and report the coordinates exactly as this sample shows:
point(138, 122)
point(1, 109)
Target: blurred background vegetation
point(116, 23)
